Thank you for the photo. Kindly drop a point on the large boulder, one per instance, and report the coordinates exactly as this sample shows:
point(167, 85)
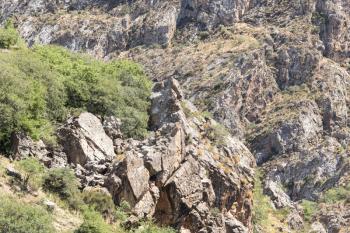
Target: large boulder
point(84, 140)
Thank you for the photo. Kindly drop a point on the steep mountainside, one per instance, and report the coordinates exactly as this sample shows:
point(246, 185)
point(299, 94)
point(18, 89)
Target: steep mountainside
point(275, 73)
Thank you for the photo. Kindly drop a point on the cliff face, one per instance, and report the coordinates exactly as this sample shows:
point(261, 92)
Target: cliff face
point(104, 27)
point(275, 73)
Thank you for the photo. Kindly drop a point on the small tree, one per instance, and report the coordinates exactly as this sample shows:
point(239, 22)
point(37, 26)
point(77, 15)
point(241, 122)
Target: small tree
point(63, 182)
point(32, 171)
point(8, 36)
point(93, 223)
point(100, 201)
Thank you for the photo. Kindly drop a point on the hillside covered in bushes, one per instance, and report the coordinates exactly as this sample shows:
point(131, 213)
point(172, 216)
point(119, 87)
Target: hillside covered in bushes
point(42, 86)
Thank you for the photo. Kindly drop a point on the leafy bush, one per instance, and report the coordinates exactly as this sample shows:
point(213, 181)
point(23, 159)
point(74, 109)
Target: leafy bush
point(100, 202)
point(41, 87)
point(122, 211)
point(118, 88)
point(62, 181)
point(8, 36)
point(33, 172)
point(150, 227)
point(93, 223)
point(18, 217)
point(336, 194)
point(309, 208)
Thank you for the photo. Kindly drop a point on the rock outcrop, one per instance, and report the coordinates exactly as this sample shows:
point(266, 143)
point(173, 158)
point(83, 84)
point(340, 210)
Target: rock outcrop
point(141, 22)
point(84, 140)
point(188, 173)
point(179, 176)
point(22, 146)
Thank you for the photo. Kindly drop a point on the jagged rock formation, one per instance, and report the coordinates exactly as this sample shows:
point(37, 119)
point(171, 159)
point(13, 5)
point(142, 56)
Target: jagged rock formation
point(181, 177)
point(275, 73)
point(186, 174)
point(76, 24)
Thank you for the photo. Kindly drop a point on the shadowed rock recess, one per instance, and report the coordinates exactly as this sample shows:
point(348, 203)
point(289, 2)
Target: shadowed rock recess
point(249, 128)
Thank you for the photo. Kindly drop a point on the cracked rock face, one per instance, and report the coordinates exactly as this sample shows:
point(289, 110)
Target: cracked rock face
point(176, 178)
point(119, 25)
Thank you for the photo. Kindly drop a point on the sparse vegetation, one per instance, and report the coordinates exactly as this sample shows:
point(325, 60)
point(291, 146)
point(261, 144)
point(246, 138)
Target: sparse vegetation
point(337, 194)
point(262, 205)
point(217, 133)
point(264, 215)
point(150, 227)
point(286, 107)
point(203, 35)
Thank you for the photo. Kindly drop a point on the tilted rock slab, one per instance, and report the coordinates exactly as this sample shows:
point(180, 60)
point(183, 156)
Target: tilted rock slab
point(84, 139)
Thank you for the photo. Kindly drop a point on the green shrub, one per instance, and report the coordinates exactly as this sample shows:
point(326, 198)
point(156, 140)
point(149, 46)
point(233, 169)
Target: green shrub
point(122, 211)
point(62, 181)
point(150, 227)
point(118, 88)
point(31, 98)
point(309, 208)
point(217, 133)
point(33, 171)
point(100, 202)
point(93, 223)
point(8, 36)
point(336, 194)
point(18, 217)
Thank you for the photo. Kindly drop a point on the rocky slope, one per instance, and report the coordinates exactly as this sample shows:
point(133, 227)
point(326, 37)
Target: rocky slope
point(188, 173)
point(275, 73)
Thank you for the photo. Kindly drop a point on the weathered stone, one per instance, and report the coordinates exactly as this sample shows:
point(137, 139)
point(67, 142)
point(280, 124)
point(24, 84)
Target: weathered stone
point(84, 140)
point(23, 146)
point(50, 206)
point(317, 227)
point(112, 127)
point(11, 171)
point(279, 198)
point(176, 180)
point(295, 221)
